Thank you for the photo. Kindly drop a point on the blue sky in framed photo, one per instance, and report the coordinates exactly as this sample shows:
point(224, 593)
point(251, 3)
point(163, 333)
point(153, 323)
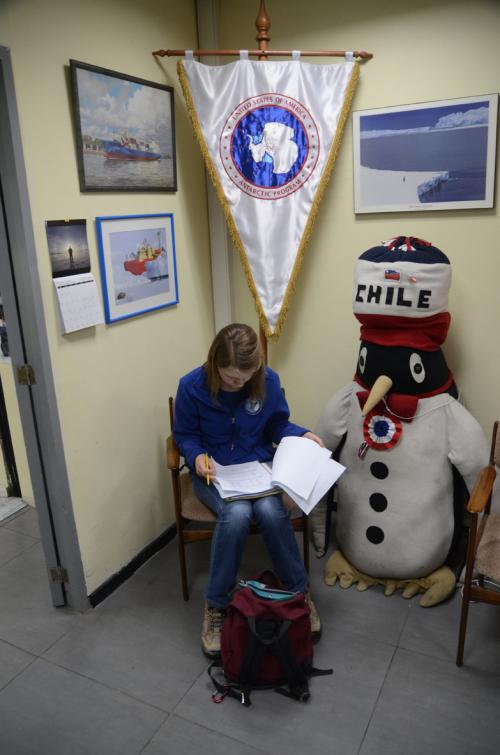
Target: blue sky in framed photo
point(436, 154)
point(448, 116)
point(109, 106)
point(153, 280)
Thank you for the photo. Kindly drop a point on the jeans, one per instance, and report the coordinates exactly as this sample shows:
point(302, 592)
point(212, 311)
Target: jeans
point(230, 534)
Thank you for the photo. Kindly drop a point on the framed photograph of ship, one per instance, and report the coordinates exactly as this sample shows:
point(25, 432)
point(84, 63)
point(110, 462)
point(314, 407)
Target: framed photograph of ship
point(137, 260)
point(125, 135)
point(428, 156)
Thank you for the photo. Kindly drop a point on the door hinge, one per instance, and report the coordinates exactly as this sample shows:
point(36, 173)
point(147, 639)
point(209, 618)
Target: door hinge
point(59, 574)
point(26, 375)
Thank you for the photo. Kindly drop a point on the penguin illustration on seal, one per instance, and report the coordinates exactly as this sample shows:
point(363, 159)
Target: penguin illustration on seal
point(411, 449)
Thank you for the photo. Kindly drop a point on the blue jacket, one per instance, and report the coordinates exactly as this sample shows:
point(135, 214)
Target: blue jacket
point(246, 433)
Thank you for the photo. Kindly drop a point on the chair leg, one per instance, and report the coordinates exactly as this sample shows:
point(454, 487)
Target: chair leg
point(328, 524)
point(182, 564)
point(305, 540)
point(471, 547)
point(463, 627)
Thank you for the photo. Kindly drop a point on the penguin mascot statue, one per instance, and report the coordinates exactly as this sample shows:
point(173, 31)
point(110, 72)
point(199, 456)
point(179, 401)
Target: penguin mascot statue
point(409, 446)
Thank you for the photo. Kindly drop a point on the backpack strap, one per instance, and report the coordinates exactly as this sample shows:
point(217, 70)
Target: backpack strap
point(266, 634)
point(312, 671)
point(263, 635)
point(298, 687)
point(250, 665)
point(296, 675)
point(228, 689)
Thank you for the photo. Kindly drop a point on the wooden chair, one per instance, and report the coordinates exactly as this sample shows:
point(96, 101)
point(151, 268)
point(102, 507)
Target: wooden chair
point(483, 552)
point(189, 509)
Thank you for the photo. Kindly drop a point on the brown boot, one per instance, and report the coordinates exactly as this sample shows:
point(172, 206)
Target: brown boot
point(314, 618)
point(213, 619)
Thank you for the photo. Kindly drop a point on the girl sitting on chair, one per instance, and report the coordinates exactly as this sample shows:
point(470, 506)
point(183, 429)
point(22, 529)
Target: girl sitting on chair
point(233, 409)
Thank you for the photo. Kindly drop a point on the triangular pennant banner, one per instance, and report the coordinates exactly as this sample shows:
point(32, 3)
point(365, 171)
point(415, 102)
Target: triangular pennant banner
point(269, 133)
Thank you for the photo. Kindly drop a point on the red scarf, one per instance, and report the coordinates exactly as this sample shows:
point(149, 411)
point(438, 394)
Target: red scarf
point(402, 405)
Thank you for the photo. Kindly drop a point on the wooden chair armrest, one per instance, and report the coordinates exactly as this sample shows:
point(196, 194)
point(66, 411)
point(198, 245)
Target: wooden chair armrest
point(173, 455)
point(482, 489)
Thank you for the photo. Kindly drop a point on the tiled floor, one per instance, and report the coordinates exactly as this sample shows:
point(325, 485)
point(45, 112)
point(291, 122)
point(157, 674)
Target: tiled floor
point(128, 677)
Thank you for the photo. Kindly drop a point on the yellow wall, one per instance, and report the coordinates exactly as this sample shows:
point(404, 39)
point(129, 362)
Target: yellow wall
point(16, 433)
point(113, 381)
point(424, 50)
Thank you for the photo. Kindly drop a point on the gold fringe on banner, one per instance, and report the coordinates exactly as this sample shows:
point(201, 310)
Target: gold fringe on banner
point(235, 236)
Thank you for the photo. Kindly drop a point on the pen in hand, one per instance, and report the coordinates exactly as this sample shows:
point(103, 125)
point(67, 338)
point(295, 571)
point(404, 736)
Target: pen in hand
point(207, 468)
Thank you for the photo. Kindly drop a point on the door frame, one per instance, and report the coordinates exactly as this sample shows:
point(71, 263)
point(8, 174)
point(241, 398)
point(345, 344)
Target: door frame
point(28, 342)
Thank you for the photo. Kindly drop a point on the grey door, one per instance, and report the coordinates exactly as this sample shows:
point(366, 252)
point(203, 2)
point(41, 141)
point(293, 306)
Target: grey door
point(22, 301)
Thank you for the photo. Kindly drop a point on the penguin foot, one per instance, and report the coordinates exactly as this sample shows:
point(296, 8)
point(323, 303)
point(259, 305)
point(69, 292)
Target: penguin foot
point(338, 567)
point(436, 587)
point(442, 582)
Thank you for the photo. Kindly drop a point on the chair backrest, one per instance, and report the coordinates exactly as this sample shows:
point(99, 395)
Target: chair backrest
point(171, 410)
point(173, 453)
point(495, 446)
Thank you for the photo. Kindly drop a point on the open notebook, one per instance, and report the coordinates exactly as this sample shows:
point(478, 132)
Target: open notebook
point(300, 467)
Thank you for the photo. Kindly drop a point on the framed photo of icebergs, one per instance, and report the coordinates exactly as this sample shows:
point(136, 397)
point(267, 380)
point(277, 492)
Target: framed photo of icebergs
point(427, 156)
point(125, 135)
point(137, 260)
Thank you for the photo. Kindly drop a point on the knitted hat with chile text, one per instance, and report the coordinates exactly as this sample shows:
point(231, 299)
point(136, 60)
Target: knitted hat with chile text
point(401, 294)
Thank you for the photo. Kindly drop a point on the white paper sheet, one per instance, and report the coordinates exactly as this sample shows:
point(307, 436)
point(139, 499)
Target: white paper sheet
point(79, 303)
point(304, 470)
point(298, 463)
point(245, 479)
point(300, 467)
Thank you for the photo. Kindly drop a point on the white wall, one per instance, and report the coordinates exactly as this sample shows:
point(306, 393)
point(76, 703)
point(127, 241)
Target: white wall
point(424, 50)
point(113, 381)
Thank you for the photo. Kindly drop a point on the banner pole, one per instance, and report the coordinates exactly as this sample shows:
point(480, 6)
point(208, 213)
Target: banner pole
point(263, 24)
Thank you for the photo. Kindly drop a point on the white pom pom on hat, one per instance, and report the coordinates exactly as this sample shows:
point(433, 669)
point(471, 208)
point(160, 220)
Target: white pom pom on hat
point(401, 294)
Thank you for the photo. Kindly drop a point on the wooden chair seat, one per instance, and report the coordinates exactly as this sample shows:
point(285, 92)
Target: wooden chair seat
point(488, 550)
point(196, 511)
point(191, 506)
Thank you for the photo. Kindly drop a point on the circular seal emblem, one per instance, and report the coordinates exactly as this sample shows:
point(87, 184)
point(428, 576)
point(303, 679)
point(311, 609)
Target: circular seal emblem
point(380, 431)
point(253, 405)
point(269, 146)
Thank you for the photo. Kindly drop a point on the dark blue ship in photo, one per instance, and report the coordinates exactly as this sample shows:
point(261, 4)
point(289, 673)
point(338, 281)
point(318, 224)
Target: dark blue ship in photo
point(129, 148)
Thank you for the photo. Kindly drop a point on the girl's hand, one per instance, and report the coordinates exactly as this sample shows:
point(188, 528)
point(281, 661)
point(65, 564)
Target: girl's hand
point(315, 438)
point(201, 467)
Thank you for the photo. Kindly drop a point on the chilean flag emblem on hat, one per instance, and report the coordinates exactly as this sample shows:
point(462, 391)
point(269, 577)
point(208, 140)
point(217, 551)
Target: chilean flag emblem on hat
point(392, 275)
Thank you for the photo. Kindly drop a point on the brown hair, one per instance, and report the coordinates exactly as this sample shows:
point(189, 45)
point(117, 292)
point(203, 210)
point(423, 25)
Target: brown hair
point(238, 346)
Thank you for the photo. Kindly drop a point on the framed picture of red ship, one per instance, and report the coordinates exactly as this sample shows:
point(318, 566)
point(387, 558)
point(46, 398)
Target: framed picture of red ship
point(125, 134)
point(138, 267)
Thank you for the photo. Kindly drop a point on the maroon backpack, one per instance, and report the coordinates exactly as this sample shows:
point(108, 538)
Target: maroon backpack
point(265, 642)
